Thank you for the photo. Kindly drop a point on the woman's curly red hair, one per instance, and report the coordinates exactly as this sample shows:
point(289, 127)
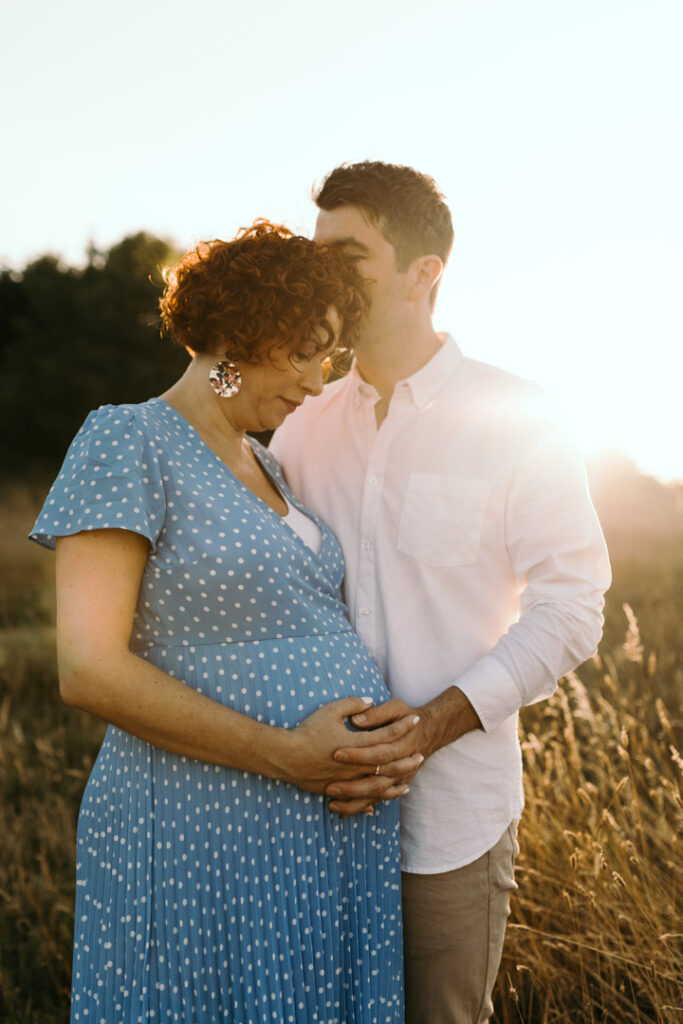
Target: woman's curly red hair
point(266, 287)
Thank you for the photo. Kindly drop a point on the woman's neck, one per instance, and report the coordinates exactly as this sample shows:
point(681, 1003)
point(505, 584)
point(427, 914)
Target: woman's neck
point(193, 398)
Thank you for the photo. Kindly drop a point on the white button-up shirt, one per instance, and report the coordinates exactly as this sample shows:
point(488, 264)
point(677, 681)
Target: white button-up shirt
point(473, 558)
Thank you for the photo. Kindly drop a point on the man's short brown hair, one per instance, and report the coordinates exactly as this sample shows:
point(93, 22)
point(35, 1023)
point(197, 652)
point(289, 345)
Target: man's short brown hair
point(404, 205)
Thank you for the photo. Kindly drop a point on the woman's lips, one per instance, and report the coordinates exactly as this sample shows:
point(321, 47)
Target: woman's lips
point(291, 405)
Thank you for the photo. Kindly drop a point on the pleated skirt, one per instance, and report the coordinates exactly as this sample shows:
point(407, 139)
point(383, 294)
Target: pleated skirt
point(206, 894)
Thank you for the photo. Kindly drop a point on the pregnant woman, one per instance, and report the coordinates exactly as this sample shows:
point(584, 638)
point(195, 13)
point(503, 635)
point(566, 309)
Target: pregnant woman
point(199, 613)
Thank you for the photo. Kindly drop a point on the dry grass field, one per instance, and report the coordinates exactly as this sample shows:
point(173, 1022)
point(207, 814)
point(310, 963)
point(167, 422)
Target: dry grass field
point(596, 928)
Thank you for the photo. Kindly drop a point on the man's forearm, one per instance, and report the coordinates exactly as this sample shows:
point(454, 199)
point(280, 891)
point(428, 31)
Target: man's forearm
point(445, 719)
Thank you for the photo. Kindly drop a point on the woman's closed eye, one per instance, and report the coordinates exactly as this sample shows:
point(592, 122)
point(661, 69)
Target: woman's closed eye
point(304, 355)
point(301, 357)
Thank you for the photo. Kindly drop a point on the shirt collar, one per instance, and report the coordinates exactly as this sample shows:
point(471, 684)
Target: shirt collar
point(423, 384)
point(429, 379)
point(362, 389)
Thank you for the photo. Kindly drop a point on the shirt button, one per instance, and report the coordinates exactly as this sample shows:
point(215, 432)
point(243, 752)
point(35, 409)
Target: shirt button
point(364, 611)
point(366, 545)
point(372, 481)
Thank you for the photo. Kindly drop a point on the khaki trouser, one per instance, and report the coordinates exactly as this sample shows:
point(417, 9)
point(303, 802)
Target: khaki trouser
point(454, 926)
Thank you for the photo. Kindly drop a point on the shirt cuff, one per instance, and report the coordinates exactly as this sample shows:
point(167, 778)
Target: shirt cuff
point(491, 691)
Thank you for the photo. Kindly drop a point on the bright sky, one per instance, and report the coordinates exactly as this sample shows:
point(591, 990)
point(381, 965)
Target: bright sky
point(554, 127)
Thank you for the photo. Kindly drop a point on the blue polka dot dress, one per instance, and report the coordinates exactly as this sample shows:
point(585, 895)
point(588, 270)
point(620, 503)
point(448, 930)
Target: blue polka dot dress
point(207, 894)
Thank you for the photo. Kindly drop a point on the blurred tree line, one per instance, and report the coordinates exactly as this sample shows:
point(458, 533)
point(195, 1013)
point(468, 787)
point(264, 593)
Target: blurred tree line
point(73, 339)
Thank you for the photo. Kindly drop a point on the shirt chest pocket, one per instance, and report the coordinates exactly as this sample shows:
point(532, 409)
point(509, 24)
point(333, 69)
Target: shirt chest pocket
point(442, 518)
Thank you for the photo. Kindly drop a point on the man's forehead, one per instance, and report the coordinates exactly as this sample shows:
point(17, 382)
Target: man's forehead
point(346, 225)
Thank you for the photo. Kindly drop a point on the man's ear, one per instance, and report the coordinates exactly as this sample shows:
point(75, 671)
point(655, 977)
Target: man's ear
point(424, 272)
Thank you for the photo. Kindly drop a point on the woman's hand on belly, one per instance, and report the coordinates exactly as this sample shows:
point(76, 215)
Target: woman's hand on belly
point(304, 755)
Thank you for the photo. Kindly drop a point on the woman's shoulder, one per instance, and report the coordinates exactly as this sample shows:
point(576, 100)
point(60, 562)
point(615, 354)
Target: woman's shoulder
point(151, 422)
point(121, 438)
point(151, 413)
point(112, 476)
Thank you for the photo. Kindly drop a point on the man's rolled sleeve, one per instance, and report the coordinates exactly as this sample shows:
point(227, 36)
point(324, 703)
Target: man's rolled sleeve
point(491, 691)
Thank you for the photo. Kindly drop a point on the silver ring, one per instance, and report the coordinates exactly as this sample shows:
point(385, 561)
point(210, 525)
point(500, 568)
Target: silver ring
point(377, 770)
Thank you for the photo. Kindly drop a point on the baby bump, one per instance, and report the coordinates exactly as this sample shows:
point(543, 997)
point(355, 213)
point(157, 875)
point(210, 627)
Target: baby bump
point(279, 682)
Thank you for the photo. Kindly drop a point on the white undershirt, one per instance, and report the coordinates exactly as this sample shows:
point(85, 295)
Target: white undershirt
point(307, 528)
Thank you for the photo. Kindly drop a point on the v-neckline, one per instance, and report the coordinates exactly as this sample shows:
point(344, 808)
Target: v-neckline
point(288, 501)
point(224, 464)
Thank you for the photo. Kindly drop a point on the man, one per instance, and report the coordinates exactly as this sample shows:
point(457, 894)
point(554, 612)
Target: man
point(475, 569)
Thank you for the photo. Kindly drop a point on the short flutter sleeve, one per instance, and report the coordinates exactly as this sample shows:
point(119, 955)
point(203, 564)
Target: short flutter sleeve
point(111, 479)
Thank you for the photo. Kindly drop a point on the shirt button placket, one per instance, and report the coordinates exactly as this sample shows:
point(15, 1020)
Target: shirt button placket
point(372, 494)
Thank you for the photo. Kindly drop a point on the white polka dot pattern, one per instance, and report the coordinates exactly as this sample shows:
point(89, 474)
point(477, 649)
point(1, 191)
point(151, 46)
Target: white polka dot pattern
point(206, 894)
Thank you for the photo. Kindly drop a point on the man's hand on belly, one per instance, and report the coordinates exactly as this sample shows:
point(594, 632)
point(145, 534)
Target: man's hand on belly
point(442, 721)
